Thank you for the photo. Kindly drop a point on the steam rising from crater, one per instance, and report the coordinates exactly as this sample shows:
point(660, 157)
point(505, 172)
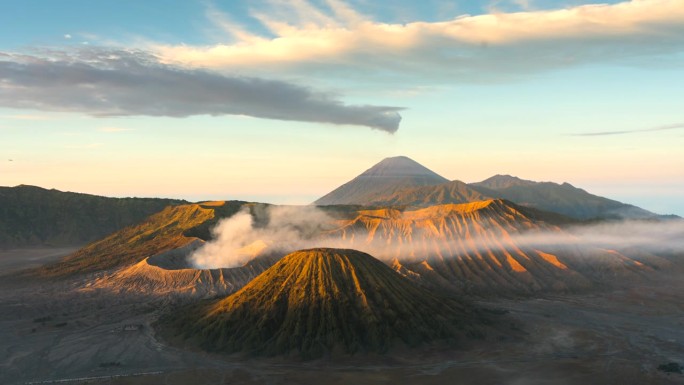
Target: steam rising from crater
point(240, 238)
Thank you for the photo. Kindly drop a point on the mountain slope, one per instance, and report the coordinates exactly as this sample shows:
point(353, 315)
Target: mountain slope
point(33, 216)
point(172, 228)
point(321, 301)
point(490, 246)
point(424, 196)
point(559, 198)
point(383, 179)
point(159, 233)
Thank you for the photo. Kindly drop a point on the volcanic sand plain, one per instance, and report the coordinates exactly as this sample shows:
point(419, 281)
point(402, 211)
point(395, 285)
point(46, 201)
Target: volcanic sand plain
point(65, 332)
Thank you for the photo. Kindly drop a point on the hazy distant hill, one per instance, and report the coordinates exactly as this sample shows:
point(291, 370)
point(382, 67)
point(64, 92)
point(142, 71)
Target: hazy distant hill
point(32, 216)
point(382, 180)
point(325, 301)
point(401, 181)
point(560, 198)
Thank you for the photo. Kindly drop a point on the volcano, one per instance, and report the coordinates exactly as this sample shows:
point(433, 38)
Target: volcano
point(385, 178)
point(491, 246)
point(323, 301)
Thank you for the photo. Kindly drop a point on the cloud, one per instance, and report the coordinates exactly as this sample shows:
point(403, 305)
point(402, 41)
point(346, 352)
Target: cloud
point(467, 48)
point(67, 36)
point(108, 82)
point(654, 129)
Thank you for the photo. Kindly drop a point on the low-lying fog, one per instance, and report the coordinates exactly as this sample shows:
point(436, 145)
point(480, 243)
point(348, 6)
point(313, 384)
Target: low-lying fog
point(289, 228)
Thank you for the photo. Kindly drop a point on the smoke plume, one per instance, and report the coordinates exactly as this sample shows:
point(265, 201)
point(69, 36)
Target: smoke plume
point(239, 238)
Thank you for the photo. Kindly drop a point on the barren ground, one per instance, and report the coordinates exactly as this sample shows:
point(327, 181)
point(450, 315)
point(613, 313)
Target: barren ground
point(57, 332)
point(17, 259)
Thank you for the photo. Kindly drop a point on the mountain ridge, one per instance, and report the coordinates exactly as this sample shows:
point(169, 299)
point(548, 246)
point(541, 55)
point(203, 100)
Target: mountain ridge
point(500, 181)
point(35, 216)
point(492, 246)
point(564, 199)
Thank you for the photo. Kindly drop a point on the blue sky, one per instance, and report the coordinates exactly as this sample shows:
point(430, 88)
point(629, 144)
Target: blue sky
point(185, 21)
point(282, 101)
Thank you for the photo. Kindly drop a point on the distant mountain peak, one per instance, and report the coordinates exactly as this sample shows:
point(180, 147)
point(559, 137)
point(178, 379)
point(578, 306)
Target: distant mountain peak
point(399, 166)
point(386, 177)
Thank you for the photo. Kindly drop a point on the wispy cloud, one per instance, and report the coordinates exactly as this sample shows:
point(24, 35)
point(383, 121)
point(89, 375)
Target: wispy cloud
point(107, 82)
point(623, 132)
point(304, 37)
